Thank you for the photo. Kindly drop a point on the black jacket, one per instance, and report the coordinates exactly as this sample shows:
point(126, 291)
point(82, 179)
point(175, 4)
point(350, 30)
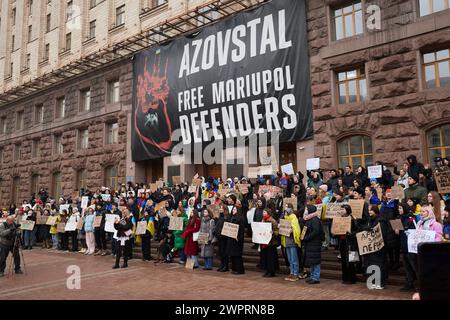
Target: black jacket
point(123, 226)
point(312, 242)
point(235, 248)
point(347, 179)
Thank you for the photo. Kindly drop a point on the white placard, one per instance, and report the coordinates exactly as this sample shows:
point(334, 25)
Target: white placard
point(262, 232)
point(84, 202)
point(141, 227)
point(313, 164)
point(64, 207)
point(109, 222)
point(71, 225)
point(140, 192)
point(287, 168)
point(375, 171)
point(106, 197)
point(250, 215)
point(195, 236)
point(417, 236)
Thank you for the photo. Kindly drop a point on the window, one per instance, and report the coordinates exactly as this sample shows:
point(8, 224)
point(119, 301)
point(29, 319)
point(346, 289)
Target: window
point(113, 91)
point(69, 10)
point(35, 152)
point(120, 15)
point(92, 3)
point(49, 22)
point(60, 108)
point(13, 38)
point(30, 33)
point(57, 144)
point(91, 29)
point(68, 41)
point(81, 179)
point(11, 70)
point(30, 7)
point(83, 139)
point(16, 191)
point(46, 52)
point(85, 100)
point(17, 152)
point(111, 177)
point(438, 142)
point(351, 86)
point(348, 21)
point(355, 151)
point(27, 61)
point(431, 6)
point(3, 125)
point(34, 188)
point(13, 17)
point(156, 3)
point(56, 185)
point(436, 67)
point(19, 120)
point(112, 133)
point(38, 113)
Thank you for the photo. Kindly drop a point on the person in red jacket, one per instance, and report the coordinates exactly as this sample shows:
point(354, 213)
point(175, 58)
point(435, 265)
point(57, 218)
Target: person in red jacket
point(191, 247)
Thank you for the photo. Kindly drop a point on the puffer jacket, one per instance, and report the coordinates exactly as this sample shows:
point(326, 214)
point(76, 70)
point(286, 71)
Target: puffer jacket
point(312, 242)
point(89, 223)
point(7, 234)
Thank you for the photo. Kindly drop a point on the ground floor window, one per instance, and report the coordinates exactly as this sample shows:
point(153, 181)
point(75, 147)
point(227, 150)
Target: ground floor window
point(355, 151)
point(438, 142)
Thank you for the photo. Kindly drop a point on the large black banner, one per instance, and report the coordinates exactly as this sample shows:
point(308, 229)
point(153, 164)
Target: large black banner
point(244, 76)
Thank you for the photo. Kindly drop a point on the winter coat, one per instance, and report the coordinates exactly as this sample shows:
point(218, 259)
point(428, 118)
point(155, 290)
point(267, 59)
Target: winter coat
point(54, 228)
point(388, 212)
point(347, 179)
point(379, 257)
point(432, 225)
point(89, 223)
point(275, 240)
point(178, 240)
point(123, 227)
point(403, 180)
point(295, 235)
point(415, 167)
point(312, 242)
point(258, 215)
point(191, 247)
point(416, 192)
point(235, 248)
point(207, 226)
point(7, 234)
point(101, 213)
point(408, 224)
point(333, 183)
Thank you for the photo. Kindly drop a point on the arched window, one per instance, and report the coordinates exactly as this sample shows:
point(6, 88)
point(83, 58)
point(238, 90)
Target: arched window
point(111, 177)
point(438, 142)
point(16, 191)
point(355, 151)
point(56, 185)
point(81, 179)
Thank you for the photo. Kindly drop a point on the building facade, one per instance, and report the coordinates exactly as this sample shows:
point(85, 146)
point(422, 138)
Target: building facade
point(379, 91)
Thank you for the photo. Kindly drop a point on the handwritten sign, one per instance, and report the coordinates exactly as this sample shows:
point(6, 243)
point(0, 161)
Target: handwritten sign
point(288, 169)
point(106, 197)
point(230, 230)
point(27, 225)
point(141, 192)
point(243, 188)
point(160, 205)
point(262, 232)
point(71, 225)
point(397, 192)
point(41, 219)
point(159, 184)
point(80, 224)
point(375, 171)
point(285, 227)
point(269, 189)
point(109, 222)
point(443, 181)
point(84, 202)
point(192, 189)
point(64, 207)
point(215, 209)
point(313, 164)
point(396, 224)
point(176, 180)
point(141, 227)
point(357, 208)
point(341, 225)
point(51, 220)
point(334, 210)
point(98, 221)
point(203, 238)
point(176, 223)
point(302, 236)
point(61, 227)
point(370, 241)
point(415, 237)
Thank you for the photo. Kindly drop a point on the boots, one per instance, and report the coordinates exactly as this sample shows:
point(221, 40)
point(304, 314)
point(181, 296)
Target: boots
point(125, 263)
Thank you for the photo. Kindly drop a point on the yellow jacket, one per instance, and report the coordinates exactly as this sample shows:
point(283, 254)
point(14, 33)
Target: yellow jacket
point(54, 228)
point(295, 230)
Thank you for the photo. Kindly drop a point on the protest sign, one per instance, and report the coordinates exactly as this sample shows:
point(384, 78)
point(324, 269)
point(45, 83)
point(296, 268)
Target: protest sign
point(375, 171)
point(160, 205)
point(61, 227)
point(341, 225)
point(109, 222)
point(262, 232)
point(313, 164)
point(302, 236)
point(285, 227)
point(416, 236)
point(370, 241)
point(292, 200)
point(80, 224)
point(230, 230)
point(51, 220)
point(243, 188)
point(141, 227)
point(250, 215)
point(357, 208)
point(189, 263)
point(203, 238)
point(192, 189)
point(214, 209)
point(106, 197)
point(273, 190)
point(64, 207)
point(41, 219)
point(197, 182)
point(335, 210)
point(288, 169)
point(396, 224)
point(162, 212)
point(27, 225)
point(153, 187)
point(140, 193)
point(98, 221)
point(176, 180)
point(397, 192)
point(84, 202)
point(71, 225)
point(443, 181)
point(176, 223)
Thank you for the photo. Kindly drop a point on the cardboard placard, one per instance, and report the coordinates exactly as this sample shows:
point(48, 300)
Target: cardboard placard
point(288, 169)
point(189, 264)
point(416, 236)
point(80, 224)
point(370, 241)
point(375, 171)
point(250, 215)
point(335, 210)
point(141, 227)
point(230, 230)
point(192, 189)
point(153, 187)
point(51, 220)
point(313, 164)
point(285, 227)
point(302, 236)
point(176, 180)
point(442, 181)
point(203, 238)
point(41, 219)
point(84, 202)
point(197, 182)
point(243, 188)
point(341, 225)
point(214, 209)
point(357, 208)
point(160, 205)
point(159, 184)
point(319, 208)
point(98, 221)
point(262, 232)
point(292, 200)
point(61, 227)
point(274, 190)
point(27, 225)
point(397, 192)
point(396, 224)
point(109, 222)
point(162, 212)
point(176, 223)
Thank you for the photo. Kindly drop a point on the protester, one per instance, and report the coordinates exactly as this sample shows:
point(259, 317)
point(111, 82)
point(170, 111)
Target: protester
point(291, 243)
point(235, 247)
point(207, 249)
point(9, 230)
point(312, 244)
point(221, 239)
point(348, 250)
point(190, 246)
point(89, 230)
point(428, 222)
point(123, 227)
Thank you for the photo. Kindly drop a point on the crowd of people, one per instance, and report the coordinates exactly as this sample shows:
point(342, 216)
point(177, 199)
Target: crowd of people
point(421, 207)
